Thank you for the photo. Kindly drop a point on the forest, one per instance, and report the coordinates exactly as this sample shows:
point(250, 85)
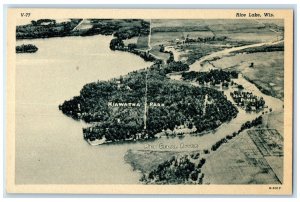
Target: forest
point(45, 28)
point(178, 170)
point(213, 76)
point(183, 103)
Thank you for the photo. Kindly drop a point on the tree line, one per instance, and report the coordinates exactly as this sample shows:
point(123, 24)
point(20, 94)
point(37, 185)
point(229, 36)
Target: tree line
point(45, 28)
point(257, 121)
point(213, 76)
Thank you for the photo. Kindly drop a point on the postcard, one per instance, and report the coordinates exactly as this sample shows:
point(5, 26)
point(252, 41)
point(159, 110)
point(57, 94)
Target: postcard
point(149, 101)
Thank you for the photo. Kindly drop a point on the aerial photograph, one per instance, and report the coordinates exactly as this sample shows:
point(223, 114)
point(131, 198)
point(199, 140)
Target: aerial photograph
point(149, 101)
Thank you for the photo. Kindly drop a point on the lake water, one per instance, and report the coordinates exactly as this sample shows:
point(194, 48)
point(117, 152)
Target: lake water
point(49, 145)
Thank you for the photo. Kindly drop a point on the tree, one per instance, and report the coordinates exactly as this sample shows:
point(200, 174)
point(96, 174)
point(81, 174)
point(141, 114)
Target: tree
point(132, 46)
point(116, 44)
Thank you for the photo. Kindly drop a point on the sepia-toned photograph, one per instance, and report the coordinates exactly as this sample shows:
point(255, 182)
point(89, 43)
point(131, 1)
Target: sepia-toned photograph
point(130, 101)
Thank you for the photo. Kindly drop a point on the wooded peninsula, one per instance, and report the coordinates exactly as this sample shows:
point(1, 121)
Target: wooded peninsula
point(182, 105)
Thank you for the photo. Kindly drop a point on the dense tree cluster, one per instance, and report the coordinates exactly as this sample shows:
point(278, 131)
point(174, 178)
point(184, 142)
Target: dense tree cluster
point(204, 39)
point(214, 76)
point(43, 21)
point(182, 104)
point(26, 48)
point(177, 170)
point(118, 44)
point(45, 28)
point(176, 67)
point(247, 100)
point(121, 29)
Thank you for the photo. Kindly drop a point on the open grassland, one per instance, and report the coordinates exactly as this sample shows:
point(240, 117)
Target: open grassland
point(201, 34)
point(221, 23)
point(267, 72)
point(133, 40)
point(195, 51)
point(241, 162)
point(166, 38)
point(257, 37)
point(142, 43)
point(161, 55)
point(274, 120)
point(148, 160)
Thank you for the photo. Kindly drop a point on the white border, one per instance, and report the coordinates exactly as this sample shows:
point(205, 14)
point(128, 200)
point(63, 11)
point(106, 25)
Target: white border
point(157, 2)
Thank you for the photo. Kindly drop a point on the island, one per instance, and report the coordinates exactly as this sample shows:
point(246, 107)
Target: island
point(26, 48)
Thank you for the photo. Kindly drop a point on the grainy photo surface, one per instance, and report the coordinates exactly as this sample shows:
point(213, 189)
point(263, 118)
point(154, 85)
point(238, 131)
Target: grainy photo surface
point(102, 99)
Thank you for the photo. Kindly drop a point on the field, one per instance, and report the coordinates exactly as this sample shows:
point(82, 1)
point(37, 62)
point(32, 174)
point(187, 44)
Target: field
point(84, 25)
point(155, 51)
point(147, 160)
point(142, 43)
point(221, 24)
point(195, 51)
point(274, 120)
point(242, 161)
point(201, 34)
point(176, 23)
point(257, 37)
point(236, 32)
point(270, 144)
point(132, 40)
point(268, 141)
point(165, 38)
point(270, 82)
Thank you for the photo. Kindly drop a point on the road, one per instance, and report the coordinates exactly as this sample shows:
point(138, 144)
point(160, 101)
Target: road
point(149, 37)
point(83, 24)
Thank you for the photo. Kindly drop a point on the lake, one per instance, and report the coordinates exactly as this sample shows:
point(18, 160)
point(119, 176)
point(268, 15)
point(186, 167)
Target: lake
point(49, 145)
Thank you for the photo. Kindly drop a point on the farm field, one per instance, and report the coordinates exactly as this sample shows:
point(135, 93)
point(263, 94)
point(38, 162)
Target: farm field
point(196, 34)
point(270, 144)
point(235, 33)
point(257, 37)
point(242, 162)
point(274, 120)
point(142, 43)
point(221, 23)
point(270, 82)
point(155, 51)
point(166, 38)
